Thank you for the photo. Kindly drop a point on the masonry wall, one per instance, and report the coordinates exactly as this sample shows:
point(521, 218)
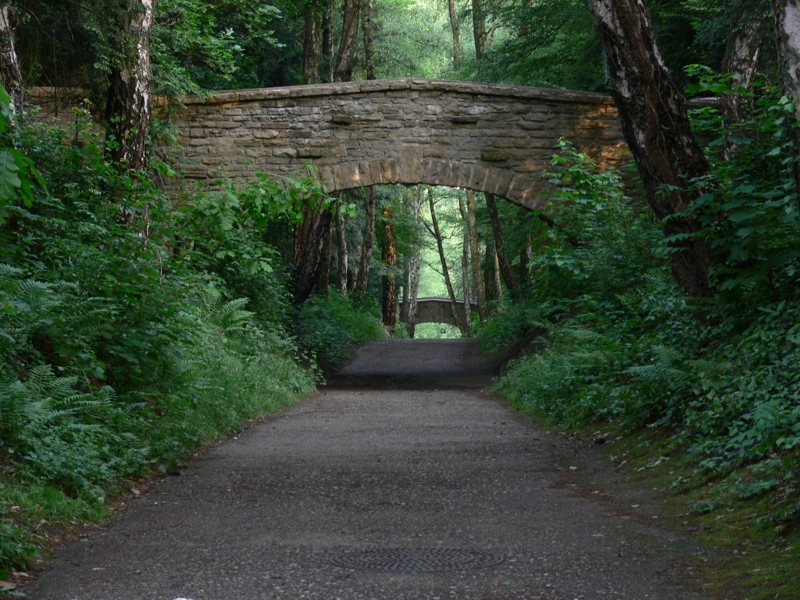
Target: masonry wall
point(490, 138)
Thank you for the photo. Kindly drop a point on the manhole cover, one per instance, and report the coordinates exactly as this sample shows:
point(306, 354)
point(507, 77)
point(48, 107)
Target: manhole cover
point(417, 560)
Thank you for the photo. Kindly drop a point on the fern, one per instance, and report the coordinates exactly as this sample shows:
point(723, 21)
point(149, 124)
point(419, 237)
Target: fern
point(228, 316)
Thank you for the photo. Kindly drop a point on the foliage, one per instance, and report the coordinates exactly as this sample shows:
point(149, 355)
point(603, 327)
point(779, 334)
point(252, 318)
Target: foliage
point(748, 207)
point(331, 327)
point(617, 343)
point(542, 43)
point(134, 329)
point(200, 45)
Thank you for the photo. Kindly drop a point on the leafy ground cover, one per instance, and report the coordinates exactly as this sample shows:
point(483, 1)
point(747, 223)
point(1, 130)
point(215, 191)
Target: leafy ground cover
point(713, 386)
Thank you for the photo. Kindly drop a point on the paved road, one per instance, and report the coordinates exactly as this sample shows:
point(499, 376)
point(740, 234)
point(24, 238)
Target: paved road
point(430, 473)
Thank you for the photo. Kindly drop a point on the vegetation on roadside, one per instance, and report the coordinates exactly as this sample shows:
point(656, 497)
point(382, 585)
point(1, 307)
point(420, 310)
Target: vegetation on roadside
point(614, 343)
point(331, 327)
point(134, 329)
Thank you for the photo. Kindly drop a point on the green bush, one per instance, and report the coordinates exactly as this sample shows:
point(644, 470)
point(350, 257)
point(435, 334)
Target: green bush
point(331, 327)
point(618, 343)
point(134, 329)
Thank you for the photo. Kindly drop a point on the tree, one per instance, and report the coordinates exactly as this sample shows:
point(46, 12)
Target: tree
point(500, 248)
point(10, 72)
point(360, 287)
point(129, 107)
point(369, 42)
point(345, 54)
point(787, 34)
point(471, 222)
point(310, 239)
point(455, 30)
point(412, 282)
point(478, 28)
point(657, 129)
point(389, 258)
point(312, 42)
point(467, 326)
point(342, 248)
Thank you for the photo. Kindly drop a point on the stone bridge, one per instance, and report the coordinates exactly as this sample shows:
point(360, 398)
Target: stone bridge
point(437, 310)
point(489, 138)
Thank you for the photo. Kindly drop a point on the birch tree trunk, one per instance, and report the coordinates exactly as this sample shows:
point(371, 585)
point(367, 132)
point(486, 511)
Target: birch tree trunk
point(437, 234)
point(10, 72)
point(657, 129)
point(362, 278)
point(341, 238)
point(369, 44)
point(500, 248)
point(475, 254)
point(129, 104)
point(787, 33)
point(741, 60)
point(454, 28)
point(389, 257)
point(343, 69)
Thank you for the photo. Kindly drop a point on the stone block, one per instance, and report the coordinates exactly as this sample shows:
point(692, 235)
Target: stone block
point(495, 154)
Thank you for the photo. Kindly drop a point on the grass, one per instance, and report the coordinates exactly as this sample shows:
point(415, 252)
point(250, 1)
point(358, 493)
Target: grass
point(753, 560)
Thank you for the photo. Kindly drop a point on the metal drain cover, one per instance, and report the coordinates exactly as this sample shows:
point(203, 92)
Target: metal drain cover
point(417, 560)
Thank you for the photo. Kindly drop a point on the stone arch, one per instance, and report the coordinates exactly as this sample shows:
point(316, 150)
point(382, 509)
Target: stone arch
point(410, 169)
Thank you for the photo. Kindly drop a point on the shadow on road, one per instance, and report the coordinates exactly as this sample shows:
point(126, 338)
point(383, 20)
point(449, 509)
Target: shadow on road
point(418, 365)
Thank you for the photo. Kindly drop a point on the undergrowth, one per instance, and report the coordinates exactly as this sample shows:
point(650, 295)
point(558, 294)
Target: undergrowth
point(612, 340)
point(331, 327)
point(135, 328)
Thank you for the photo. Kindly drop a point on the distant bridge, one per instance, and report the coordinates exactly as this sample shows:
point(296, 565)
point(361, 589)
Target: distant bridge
point(438, 310)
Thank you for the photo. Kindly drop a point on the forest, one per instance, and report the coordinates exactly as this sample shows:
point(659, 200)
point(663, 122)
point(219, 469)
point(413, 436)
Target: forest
point(654, 309)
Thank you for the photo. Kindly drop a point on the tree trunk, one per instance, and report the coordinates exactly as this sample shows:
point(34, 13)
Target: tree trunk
point(10, 72)
point(494, 287)
point(525, 258)
point(497, 231)
point(443, 259)
point(129, 108)
point(467, 330)
point(657, 129)
point(362, 279)
point(478, 28)
point(312, 42)
point(324, 275)
point(343, 69)
point(369, 45)
point(787, 33)
point(413, 267)
point(475, 255)
point(451, 6)
point(341, 238)
point(327, 41)
point(309, 250)
point(741, 60)
point(389, 257)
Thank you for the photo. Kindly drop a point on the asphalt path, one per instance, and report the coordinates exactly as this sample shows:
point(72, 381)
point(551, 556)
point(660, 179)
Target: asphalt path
point(406, 464)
